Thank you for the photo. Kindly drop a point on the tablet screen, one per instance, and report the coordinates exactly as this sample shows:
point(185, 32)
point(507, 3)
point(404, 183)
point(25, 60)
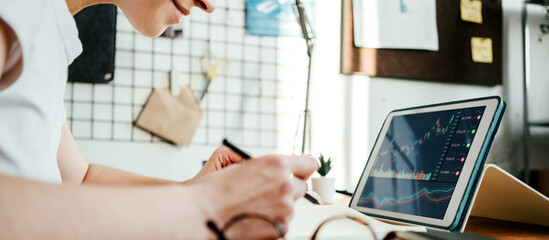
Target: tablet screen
point(420, 160)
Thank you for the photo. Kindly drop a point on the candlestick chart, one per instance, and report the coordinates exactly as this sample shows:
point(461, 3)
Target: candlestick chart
point(414, 152)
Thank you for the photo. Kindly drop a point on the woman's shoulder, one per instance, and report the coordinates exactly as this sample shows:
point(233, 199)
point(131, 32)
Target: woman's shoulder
point(22, 9)
point(23, 16)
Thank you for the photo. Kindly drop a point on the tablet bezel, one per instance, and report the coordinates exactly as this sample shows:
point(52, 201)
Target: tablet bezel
point(461, 193)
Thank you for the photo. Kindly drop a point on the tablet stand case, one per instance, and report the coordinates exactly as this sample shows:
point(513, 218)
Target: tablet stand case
point(502, 196)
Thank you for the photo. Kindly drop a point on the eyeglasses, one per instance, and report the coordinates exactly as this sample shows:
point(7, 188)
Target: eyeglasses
point(274, 228)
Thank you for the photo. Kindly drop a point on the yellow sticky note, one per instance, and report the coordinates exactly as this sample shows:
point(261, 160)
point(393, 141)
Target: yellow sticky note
point(482, 50)
point(471, 11)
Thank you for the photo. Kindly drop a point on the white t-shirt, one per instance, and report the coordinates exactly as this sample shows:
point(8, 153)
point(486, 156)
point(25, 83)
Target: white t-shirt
point(31, 109)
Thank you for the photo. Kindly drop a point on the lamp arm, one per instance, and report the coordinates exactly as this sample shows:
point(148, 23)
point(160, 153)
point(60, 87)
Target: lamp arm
point(305, 25)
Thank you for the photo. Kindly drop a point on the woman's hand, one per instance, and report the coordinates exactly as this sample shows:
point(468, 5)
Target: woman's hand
point(268, 186)
point(220, 158)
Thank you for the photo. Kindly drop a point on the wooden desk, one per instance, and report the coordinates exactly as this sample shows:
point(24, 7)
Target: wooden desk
point(506, 230)
point(486, 226)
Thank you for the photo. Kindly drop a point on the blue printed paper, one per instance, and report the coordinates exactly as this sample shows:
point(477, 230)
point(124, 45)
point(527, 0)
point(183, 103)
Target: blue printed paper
point(275, 17)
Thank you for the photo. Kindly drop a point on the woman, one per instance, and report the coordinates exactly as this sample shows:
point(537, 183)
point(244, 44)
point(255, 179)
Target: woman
point(38, 40)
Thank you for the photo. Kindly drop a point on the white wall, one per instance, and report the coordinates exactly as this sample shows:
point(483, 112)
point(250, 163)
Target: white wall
point(538, 83)
point(349, 110)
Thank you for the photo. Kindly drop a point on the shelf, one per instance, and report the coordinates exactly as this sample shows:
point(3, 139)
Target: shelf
point(538, 2)
point(539, 124)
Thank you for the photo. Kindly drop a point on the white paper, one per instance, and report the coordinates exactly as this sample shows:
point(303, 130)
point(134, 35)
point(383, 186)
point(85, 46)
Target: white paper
point(395, 24)
point(307, 218)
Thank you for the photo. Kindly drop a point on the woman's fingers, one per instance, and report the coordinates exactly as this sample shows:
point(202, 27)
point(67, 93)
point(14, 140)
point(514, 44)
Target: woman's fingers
point(227, 156)
point(299, 188)
point(301, 166)
point(267, 185)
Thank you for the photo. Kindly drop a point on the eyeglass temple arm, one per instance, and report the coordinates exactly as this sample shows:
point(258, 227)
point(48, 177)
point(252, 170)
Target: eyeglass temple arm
point(220, 236)
point(343, 217)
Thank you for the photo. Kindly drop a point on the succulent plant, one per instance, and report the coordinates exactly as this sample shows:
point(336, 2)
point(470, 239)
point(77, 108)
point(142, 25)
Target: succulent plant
point(325, 165)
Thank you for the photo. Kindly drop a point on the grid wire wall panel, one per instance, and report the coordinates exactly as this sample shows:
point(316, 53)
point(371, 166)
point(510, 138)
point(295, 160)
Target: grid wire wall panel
point(257, 104)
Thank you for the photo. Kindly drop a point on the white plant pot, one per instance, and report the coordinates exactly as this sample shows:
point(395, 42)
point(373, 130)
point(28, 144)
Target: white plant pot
point(325, 187)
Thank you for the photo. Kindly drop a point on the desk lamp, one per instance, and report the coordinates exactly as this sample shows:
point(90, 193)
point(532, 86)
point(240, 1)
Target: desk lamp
point(309, 36)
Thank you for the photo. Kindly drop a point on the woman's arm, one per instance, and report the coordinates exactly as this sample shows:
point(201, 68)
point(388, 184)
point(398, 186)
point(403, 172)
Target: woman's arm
point(35, 210)
point(4, 46)
point(75, 169)
point(7, 40)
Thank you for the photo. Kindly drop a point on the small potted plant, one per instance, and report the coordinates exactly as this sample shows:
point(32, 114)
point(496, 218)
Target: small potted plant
point(323, 185)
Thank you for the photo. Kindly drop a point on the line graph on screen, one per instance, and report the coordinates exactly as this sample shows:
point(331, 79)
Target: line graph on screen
point(425, 194)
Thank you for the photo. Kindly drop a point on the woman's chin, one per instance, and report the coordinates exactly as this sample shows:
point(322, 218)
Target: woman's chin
point(152, 32)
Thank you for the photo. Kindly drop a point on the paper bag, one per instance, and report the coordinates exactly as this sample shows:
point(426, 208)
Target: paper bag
point(172, 118)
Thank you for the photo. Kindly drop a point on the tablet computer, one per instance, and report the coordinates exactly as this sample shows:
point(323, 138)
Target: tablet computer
point(426, 162)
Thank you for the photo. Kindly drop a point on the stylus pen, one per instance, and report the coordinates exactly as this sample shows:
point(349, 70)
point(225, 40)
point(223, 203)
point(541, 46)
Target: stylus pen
point(248, 157)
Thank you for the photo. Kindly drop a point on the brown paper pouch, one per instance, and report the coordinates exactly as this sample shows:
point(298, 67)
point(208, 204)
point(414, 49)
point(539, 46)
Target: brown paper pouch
point(172, 118)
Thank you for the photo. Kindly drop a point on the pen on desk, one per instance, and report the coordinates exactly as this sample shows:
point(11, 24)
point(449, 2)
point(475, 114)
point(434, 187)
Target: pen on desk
point(248, 157)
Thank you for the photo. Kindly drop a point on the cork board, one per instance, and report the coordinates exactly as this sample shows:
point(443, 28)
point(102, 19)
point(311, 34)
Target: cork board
point(452, 63)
